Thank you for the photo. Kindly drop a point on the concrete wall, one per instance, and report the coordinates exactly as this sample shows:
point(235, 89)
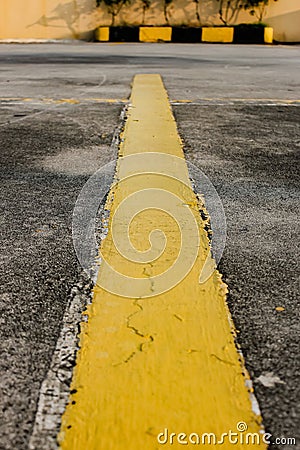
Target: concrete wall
point(73, 19)
point(284, 17)
point(46, 19)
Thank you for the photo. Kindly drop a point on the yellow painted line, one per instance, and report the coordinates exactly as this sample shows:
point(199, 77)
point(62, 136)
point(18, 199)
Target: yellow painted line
point(230, 99)
point(155, 34)
point(217, 34)
point(11, 99)
point(124, 100)
point(161, 359)
point(88, 99)
point(71, 101)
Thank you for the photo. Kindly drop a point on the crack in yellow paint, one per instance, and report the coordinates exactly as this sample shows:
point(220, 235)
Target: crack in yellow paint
point(168, 360)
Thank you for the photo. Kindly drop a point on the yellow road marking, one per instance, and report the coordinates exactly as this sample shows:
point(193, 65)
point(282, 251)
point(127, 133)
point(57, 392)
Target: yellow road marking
point(172, 101)
point(242, 100)
point(64, 100)
point(168, 360)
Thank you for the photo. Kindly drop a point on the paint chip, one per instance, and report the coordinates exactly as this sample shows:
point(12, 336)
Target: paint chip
point(269, 379)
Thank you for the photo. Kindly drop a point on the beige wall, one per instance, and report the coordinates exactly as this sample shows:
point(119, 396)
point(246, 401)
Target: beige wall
point(284, 17)
point(69, 19)
point(46, 19)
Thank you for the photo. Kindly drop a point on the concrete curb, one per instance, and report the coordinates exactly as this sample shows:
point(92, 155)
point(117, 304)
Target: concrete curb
point(228, 35)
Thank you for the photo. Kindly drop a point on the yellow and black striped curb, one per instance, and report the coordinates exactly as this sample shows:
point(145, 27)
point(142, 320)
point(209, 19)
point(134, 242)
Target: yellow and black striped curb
point(241, 34)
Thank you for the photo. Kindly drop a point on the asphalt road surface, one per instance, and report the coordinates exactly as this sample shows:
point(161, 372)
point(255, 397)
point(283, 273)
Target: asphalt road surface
point(60, 106)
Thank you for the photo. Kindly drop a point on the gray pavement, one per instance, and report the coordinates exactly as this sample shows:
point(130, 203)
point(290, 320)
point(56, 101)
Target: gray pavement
point(251, 155)
point(44, 161)
point(249, 149)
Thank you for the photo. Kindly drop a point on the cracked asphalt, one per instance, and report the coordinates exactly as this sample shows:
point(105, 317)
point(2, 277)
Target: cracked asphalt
point(249, 150)
point(255, 169)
